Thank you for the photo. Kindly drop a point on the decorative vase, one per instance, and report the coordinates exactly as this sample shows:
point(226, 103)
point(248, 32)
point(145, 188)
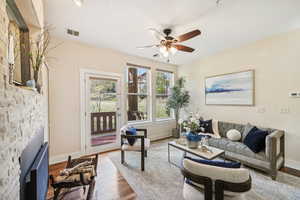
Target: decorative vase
point(30, 83)
point(192, 144)
point(193, 140)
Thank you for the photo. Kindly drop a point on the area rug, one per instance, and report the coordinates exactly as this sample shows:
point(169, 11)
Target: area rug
point(162, 180)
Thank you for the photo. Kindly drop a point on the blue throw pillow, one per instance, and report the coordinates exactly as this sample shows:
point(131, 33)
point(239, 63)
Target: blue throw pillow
point(216, 163)
point(131, 131)
point(255, 140)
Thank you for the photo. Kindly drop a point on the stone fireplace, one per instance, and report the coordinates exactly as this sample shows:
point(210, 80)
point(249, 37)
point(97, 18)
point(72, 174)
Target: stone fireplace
point(22, 113)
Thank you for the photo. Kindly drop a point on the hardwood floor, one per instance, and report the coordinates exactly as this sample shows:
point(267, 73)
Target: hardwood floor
point(291, 171)
point(110, 184)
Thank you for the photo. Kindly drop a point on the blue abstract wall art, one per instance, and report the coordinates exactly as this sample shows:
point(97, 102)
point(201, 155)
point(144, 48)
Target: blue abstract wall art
point(230, 89)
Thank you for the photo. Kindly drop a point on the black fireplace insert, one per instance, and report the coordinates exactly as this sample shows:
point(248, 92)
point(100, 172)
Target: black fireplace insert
point(34, 162)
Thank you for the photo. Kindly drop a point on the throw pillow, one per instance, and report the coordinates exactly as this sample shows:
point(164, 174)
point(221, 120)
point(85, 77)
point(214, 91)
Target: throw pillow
point(206, 126)
point(131, 131)
point(233, 135)
point(216, 163)
point(247, 129)
point(255, 140)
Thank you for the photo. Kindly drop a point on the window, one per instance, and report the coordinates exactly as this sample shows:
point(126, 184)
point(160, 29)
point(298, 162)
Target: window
point(138, 93)
point(164, 82)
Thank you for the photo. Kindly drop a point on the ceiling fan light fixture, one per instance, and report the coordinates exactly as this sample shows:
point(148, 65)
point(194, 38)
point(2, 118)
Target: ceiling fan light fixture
point(173, 50)
point(163, 49)
point(78, 2)
point(166, 54)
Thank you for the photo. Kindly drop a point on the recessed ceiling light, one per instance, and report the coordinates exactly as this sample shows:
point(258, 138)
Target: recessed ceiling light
point(78, 2)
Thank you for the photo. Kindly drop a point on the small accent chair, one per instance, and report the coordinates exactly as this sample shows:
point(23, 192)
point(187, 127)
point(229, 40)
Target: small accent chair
point(213, 179)
point(142, 144)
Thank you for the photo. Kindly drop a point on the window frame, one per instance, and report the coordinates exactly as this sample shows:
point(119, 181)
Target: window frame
point(148, 94)
point(172, 116)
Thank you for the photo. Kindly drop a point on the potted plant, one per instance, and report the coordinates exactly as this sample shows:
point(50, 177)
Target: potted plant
point(192, 125)
point(179, 99)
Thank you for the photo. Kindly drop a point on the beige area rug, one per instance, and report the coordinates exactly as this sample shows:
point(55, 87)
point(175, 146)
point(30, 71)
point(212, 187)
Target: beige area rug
point(162, 180)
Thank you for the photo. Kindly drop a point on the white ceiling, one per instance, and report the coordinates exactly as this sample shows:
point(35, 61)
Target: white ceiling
point(123, 24)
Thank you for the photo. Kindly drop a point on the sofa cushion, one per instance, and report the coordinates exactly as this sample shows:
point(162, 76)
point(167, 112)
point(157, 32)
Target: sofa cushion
point(235, 147)
point(255, 140)
point(226, 126)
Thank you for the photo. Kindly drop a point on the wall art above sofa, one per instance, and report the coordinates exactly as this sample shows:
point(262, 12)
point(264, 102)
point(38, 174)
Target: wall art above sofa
point(230, 89)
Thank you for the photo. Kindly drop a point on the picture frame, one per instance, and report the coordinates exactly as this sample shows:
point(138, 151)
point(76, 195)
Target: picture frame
point(232, 89)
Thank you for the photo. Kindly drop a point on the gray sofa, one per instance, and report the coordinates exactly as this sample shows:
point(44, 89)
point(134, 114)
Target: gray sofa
point(269, 160)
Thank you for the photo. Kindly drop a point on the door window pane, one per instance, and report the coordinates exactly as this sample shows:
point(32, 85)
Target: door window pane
point(103, 95)
point(103, 106)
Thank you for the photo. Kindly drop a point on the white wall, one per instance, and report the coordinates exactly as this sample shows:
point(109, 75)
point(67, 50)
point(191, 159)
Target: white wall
point(64, 92)
point(276, 61)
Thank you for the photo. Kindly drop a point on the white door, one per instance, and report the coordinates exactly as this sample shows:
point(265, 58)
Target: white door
point(102, 112)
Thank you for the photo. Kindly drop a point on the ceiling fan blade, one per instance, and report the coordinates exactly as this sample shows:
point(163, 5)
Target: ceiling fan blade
point(180, 47)
point(158, 35)
point(148, 46)
point(188, 35)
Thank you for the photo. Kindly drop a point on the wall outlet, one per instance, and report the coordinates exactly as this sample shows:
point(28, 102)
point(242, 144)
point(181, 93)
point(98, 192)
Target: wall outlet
point(284, 110)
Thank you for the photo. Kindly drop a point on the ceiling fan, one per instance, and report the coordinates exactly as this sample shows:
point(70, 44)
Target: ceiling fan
point(169, 44)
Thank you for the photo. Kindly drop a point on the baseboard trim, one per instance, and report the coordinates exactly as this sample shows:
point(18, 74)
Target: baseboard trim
point(292, 164)
point(63, 157)
point(156, 139)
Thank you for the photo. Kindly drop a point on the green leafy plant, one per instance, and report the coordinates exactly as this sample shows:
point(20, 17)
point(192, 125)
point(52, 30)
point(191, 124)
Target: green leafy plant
point(178, 99)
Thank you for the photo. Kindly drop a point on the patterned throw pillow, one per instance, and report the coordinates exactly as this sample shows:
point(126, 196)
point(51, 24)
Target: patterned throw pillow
point(206, 126)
